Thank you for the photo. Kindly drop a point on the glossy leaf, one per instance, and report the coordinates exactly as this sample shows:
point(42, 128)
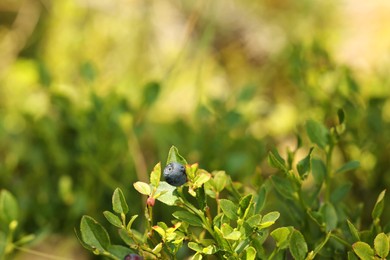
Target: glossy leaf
point(340, 192)
point(9, 209)
point(155, 176)
point(188, 218)
point(317, 133)
point(131, 221)
point(269, 219)
point(282, 236)
point(260, 201)
point(168, 197)
point(363, 250)
point(250, 253)
point(381, 245)
point(329, 215)
point(276, 161)
point(142, 187)
point(220, 180)
point(93, 234)
point(119, 204)
point(353, 230)
point(174, 156)
point(378, 208)
point(304, 165)
point(112, 218)
point(195, 246)
point(318, 170)
point(201, 178)
point(349, 166)
point(298, 247)
point(283, 187)
point(119, 251)
point(229, 208)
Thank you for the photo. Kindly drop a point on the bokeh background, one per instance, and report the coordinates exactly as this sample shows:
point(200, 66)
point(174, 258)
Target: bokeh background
point(94, 92)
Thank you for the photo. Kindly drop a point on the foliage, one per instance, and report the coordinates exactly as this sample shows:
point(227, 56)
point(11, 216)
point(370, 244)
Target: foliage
point(315, 220)
point(9, 221)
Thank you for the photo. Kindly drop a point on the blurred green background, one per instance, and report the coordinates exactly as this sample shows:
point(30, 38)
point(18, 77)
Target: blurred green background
point(93, 94)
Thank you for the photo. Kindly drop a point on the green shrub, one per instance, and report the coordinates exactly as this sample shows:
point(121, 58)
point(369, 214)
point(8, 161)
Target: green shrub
point(298, 212)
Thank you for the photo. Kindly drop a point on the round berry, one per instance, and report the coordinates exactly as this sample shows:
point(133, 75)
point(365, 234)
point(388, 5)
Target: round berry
point(133, 257)
point(175, 174)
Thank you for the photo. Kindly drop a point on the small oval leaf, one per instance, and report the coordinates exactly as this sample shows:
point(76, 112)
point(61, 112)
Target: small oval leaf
point(188, 218)
point(93, 234)
point(298, 246)
point(119, 204)
point(112, 218)
point(363, 250)
point(229, 208)
point(381, 245)
point(142, 187)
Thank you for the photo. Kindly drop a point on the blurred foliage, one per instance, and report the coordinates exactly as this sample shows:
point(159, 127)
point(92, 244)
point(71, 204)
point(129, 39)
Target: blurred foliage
point(93, 93)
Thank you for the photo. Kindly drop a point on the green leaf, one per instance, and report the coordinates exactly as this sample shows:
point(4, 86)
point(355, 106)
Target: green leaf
point(119, 204)
point(340, 192)
point(298, 246)
point(354, 231)
point(229, 208)
point(269, 219)
point(78, 236)
point(201, 178)
point(318, 171)
point(235, 235)
point(9, 209)
point(276, 161)
point(155, 176)
point(352, 256)
point(150, 93)
point(250, 253)
point(282, 236)
point(119, 251)
point(244, 203)
point(188, 218)
point(174, 156)
point(220, 180)
point(283, 187)
point(93, 234)
point(349, 166)
point(341, 115)
point(363, 250)
point(221, 241)
point(168, 197)
point(142, 187)
point(131, 221)
point(317, 133)
point(254, 220)
point(381, 245)
point(197, 256)
point(378, 208)
point(126, 237)
point(195, 246)
point(260, 201)
point(304, 165)
point(329, 215)
point(113, 219)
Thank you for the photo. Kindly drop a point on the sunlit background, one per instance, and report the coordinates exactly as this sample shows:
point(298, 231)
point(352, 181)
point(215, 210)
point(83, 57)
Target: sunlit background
point(94, 92)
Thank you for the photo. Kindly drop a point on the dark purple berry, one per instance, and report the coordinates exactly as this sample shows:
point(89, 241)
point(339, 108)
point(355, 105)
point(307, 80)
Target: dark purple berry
point(133, 257)
point(175, 174)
